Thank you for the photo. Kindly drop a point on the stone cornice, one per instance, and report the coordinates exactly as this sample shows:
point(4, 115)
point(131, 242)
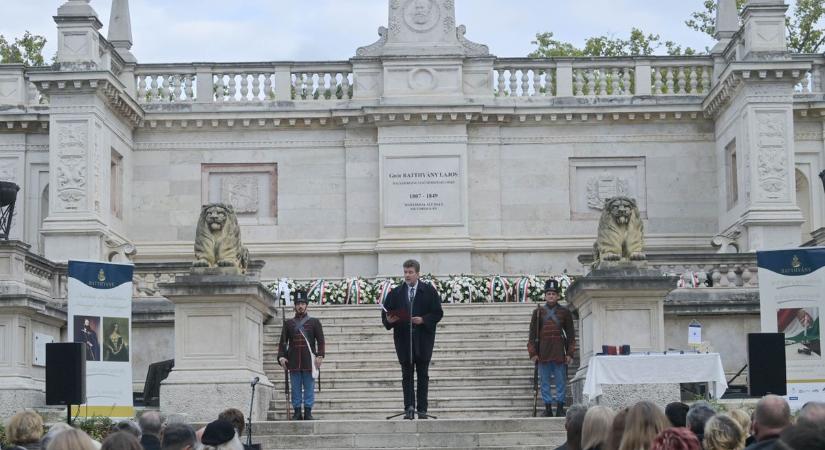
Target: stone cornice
point(103, 83)
point(738, 72)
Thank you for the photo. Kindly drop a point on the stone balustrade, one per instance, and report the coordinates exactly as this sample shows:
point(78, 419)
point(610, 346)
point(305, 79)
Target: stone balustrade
point(242, 82)
point(16, 88)
point(812, 81)
point(601, 77)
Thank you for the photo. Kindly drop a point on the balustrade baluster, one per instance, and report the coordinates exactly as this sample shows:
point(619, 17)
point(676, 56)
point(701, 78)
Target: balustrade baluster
point(346, 87)
point(220, 90)
point(705, 79)
point(680, 81)
point(153, 97)
point(536, 82)
point(513, 86)
point(233, 87)
point(244, 87)
point(627, 87)
point(296, 86)
point(548, 83)
point(500, 83)
point(693, 80)
point(141, 92)
point(189, 90)
point(657, 81)
point(163, 95)
point(669, 80)
point(256, 87)
point(578, 85)
point(614, 82)
point(524, 86)
point(603, 81)
point(306, 85)
point(268, 94)
point(590, 81)
point(176, 90)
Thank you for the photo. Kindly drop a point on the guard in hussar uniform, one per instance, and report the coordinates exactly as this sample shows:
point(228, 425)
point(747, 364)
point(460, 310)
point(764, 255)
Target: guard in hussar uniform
point(551, 345)
point(301, 351)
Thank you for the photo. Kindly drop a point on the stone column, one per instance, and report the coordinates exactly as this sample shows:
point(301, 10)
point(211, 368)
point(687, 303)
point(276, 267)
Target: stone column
point(28, 319)
point(218, 345)
point(621, 304)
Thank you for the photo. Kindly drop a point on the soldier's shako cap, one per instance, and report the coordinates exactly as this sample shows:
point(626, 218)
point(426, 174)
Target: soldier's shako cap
point(552, 285)
point(217, 433)
point(301, 297)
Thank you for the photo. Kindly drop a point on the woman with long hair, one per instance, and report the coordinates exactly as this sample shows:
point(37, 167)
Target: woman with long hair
point(643, 423)
point(617, 430)
point(121, 440)
point(596, 428)
point(115, 346)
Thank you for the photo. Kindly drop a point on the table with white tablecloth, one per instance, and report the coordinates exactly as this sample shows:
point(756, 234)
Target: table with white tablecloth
point(656, 368)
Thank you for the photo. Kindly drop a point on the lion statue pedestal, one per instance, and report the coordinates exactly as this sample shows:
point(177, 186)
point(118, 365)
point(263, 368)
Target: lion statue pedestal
point(220, 312)
point(620, 302)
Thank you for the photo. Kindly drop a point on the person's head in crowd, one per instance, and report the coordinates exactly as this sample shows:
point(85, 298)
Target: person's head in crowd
point(614, 441)
point(812, 413)
point(54, 430)
point(235, 417)
point(150, 423)
point(644, 422)
point(676, 438)
point(697, 416)
point(596, 427)
point(178, 436)
point(801, 437)
point(25, 427)
point(71, 439)
point(742, 418)
point(121, 440)
point(676, 413)
point(723, 433)
point(220, 435)
point(771, 417)
point(573, 421)
point(128, 426)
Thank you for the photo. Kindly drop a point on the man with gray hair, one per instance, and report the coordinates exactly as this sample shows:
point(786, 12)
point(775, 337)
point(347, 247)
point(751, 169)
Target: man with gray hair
point(772, 416)
point(150, 424)
point(573, 422)
point(813, 414)
point(697, 416)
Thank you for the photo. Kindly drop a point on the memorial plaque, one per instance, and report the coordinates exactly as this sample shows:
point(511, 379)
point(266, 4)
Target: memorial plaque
point(422, 191)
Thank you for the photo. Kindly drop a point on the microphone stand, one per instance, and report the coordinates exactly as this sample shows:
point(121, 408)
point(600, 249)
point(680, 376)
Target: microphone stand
point(249, 445)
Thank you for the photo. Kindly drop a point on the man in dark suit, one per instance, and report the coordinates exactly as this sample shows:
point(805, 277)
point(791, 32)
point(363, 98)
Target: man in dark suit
point(412, 311)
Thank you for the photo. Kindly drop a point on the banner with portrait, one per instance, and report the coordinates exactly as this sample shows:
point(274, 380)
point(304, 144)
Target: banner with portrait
point(100, 316)
point(791, 283)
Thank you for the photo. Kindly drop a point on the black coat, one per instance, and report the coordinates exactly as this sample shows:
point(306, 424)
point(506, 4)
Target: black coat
point(427, 304)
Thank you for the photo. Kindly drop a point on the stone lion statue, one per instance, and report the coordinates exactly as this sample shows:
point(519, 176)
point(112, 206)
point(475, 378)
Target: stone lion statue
point(218, 239)
point(621, 232)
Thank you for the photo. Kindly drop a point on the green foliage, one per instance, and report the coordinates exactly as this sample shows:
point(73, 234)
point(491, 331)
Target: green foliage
point(637, 44)
point(27, 50)
point(804, 25)
point(97, 427)
point(3, 442)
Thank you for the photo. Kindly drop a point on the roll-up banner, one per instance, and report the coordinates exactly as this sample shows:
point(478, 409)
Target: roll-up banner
point(791, 295)
point(100, 316)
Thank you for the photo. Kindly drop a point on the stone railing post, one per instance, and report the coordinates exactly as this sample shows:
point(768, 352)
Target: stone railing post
point(643, 72)
point(205, 85)
point(564, 78)
point(12, 84)
point(283, 83)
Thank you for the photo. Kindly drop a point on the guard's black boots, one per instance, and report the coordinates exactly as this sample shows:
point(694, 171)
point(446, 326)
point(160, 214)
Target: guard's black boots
point(548, 410)
point(296, 415)
point(560, 410)
point(410, 413)
point(307, 413)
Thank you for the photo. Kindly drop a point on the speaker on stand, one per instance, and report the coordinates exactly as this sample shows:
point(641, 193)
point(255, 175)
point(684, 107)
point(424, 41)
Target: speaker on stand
point(66, 375)
point(767, 372)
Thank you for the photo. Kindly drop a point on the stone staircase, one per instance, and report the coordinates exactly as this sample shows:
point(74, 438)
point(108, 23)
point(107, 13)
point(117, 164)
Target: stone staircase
point(479, 368)
point(511, 434)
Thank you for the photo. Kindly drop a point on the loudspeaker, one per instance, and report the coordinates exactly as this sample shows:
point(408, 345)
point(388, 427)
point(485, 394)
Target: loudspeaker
point(65, 373)
point(766, 364)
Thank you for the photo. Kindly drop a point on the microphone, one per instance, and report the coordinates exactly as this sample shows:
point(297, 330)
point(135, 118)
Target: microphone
point(255, 380)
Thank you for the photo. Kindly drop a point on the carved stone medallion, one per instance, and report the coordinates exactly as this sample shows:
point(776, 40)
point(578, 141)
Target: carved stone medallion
point(605, 186)
point(421, 15)
point(240, 191)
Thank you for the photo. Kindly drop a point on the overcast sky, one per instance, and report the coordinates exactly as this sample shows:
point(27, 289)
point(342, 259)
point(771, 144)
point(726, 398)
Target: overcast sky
point(273, 30)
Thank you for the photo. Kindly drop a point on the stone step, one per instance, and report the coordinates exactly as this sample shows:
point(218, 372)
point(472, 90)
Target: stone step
point(442, 343)
point(479, 412)
point(375, 316)
point(419, 440)
point(381, 335)
point(327, 311)
point(395, 400)
point(435, 382)
point(444, 358)
point(381, 392)
point(442, 351)
point(394, 371)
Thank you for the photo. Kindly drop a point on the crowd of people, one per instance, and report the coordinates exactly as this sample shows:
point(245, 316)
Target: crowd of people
point(645, 426)
point(25, 431)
